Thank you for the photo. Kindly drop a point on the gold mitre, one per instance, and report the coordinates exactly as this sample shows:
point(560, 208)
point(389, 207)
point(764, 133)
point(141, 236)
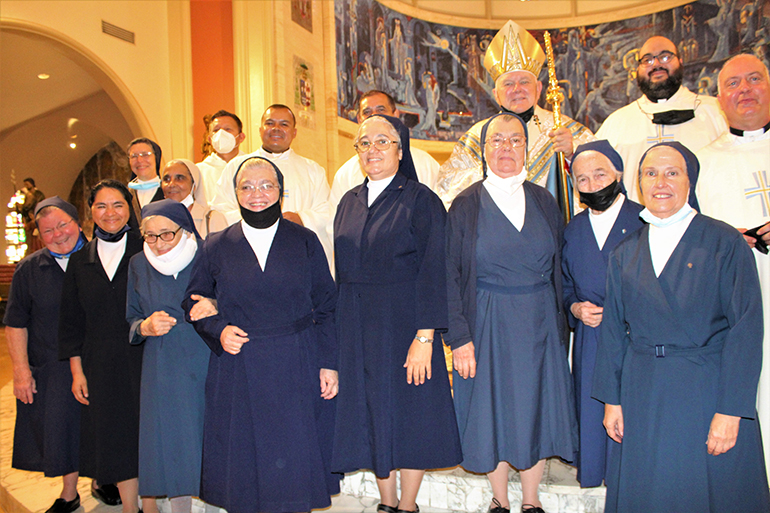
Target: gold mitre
point(513, 49)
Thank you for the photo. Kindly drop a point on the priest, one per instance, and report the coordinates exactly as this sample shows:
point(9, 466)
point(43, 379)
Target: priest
point(667, 111)
point(733, 185)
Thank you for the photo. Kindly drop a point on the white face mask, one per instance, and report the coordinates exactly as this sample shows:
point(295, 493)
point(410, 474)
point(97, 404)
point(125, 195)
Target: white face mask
point(223, 141)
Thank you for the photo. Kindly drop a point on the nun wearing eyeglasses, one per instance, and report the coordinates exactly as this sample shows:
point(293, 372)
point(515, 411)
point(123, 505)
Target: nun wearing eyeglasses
point(175, 358)
point(272, 375)
point(395, 406)
point(679, 355)
point(507, 330)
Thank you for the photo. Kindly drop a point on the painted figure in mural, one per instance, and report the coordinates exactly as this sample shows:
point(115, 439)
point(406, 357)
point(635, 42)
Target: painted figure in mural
point(432, 96)
point(722, 25)
point(514, 59)
point(398, 49)
point(409, 96)
point(680, 354)
point(733, 185)
point(667, 111)
point(305, 188)
point(589, 238)
point(381, 49)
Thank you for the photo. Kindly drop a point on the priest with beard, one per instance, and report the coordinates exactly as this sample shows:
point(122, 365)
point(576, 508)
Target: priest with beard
point(667, 111)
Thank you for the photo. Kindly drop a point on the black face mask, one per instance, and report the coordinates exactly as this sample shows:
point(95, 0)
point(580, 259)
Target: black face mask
point(526, 115)
point(110, 237)
point(263, 219)
point(602, 199)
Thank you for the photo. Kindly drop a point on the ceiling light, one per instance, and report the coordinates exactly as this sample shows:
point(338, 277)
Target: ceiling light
point(73, 145)
point(44, 76)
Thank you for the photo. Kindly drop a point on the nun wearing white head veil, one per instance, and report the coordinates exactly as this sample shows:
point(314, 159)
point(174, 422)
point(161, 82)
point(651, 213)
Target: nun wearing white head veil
point(181, 181)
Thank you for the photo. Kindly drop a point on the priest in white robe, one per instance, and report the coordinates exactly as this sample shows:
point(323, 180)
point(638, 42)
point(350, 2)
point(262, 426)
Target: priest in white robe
point(667, 111)
point(733, 185)
point(225, 136)
point(306, 189)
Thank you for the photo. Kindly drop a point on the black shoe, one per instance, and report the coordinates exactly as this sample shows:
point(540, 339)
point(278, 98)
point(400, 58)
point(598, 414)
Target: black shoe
point(62, 506)
point(496, 507)
point(416, 510)
point(386, 509)
point(108, 494)
point(531, 509)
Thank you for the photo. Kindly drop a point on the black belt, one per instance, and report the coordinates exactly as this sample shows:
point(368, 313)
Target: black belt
point(512, 291)
point(664, 351)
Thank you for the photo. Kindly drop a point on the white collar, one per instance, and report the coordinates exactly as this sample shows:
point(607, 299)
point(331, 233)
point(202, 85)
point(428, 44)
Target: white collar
point(376, 187)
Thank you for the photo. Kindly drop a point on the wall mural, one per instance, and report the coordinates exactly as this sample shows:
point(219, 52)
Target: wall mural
point(435, 71)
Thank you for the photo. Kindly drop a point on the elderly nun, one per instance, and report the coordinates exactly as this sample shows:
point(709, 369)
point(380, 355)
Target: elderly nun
point(175, 358)
point(507, 330)
point(679, 355)
point(609, 217)
point(181, 181)
point(269, 415)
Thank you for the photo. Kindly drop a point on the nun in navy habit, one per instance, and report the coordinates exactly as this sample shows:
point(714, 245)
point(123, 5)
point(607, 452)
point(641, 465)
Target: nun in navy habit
point(175, 358)
point(588, 240)
point(269, 416)
point(679, 356)
point(507, 330)
point(395, 406)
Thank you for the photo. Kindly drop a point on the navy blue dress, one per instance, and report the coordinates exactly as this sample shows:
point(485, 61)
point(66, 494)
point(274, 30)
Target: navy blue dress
point(391, 276)
point(92, 325)
point(519, 408)
point(673, 351)
point(47, 432)
point(267, 431)
point(584, 272)
point(174, 370)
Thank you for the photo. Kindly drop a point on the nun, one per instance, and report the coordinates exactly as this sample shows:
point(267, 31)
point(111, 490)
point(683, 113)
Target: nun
point(181, 181)
point(272, 373)
point(144, 156)
point(395, 406)
point(175, 358)
point(679, 355)
point(609, 217)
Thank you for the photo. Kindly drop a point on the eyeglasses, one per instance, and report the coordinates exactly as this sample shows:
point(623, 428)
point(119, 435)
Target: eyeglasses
point(517, 141)
point(663, 57)
point(144, 154)
point(151, 238)
point(58, 228)
point(265, 188)
point(379, 144)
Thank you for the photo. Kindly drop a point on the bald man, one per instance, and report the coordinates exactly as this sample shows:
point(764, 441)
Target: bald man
point(667, 111)
point(733, 184)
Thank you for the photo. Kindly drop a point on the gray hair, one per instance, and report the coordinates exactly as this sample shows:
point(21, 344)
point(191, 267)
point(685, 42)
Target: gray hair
point(391, 130)
point(143, 227)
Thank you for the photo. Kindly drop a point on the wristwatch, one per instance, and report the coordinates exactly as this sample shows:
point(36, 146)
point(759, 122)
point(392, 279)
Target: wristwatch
point(424, 340)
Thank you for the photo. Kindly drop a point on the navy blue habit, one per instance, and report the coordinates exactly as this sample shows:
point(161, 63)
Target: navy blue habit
point(47, 432)
point(267, 431)
point(391, 276)
point(584, 273)
point(673, 351)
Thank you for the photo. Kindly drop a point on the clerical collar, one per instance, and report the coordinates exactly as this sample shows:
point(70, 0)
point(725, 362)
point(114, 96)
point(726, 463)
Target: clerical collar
point(274, 156)
point(748, 133)
point(525, 116)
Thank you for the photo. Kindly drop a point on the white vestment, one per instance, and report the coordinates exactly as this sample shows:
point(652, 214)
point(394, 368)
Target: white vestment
point(305, 191)
point(631, 132)
point(734, 187)
point(211, 169)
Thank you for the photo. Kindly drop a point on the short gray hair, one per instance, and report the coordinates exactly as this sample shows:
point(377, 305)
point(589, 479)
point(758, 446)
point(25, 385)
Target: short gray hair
point(392, 132)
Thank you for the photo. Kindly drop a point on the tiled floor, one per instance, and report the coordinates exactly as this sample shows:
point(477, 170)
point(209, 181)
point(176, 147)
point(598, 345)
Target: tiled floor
point(441, 492)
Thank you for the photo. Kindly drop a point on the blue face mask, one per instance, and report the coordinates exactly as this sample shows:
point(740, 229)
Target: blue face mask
point(648, 217)
point(79, 244)
point(144, 186)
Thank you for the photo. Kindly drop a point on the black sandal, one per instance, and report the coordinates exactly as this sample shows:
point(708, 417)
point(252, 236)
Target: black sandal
point(416, 510)
point(386, 509)
point(496, 507)
point(531, 509)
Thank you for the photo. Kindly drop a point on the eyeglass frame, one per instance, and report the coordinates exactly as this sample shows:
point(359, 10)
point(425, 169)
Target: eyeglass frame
point(264, 188)
point(668, 55)
point(374, 144)
point(58, 228)
point(160, 236)
point(143, 154)
point(509, 140)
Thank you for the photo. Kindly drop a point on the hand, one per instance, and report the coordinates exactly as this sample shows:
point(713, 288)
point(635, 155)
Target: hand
point(749, 240)
point(330, 383)
point(764, 232)
point(24, 386)
point(156, 325)
point(723, 433)
point(613, 421)
point(587, 313)
point(464, 360)
point(562, 141)
point(293, 217)
point(418, 362)
point(204, 307)
point(232, 339)
point(80, 388)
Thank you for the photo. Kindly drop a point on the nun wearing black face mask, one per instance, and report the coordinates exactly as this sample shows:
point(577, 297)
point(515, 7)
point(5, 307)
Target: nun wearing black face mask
point(597, 171)
point(272, 375)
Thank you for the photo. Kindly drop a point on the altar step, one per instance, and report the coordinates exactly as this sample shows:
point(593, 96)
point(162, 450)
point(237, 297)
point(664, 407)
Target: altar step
point(460, 491)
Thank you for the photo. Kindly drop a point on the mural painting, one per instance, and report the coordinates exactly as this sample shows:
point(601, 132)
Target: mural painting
point(436, 75)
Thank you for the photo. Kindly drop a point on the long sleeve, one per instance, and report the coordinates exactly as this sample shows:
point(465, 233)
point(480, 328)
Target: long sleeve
point(324, 297)
point(428, 225)
point(204, 284)
point(72, 317)
point(459, 332)
point(134, 313)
